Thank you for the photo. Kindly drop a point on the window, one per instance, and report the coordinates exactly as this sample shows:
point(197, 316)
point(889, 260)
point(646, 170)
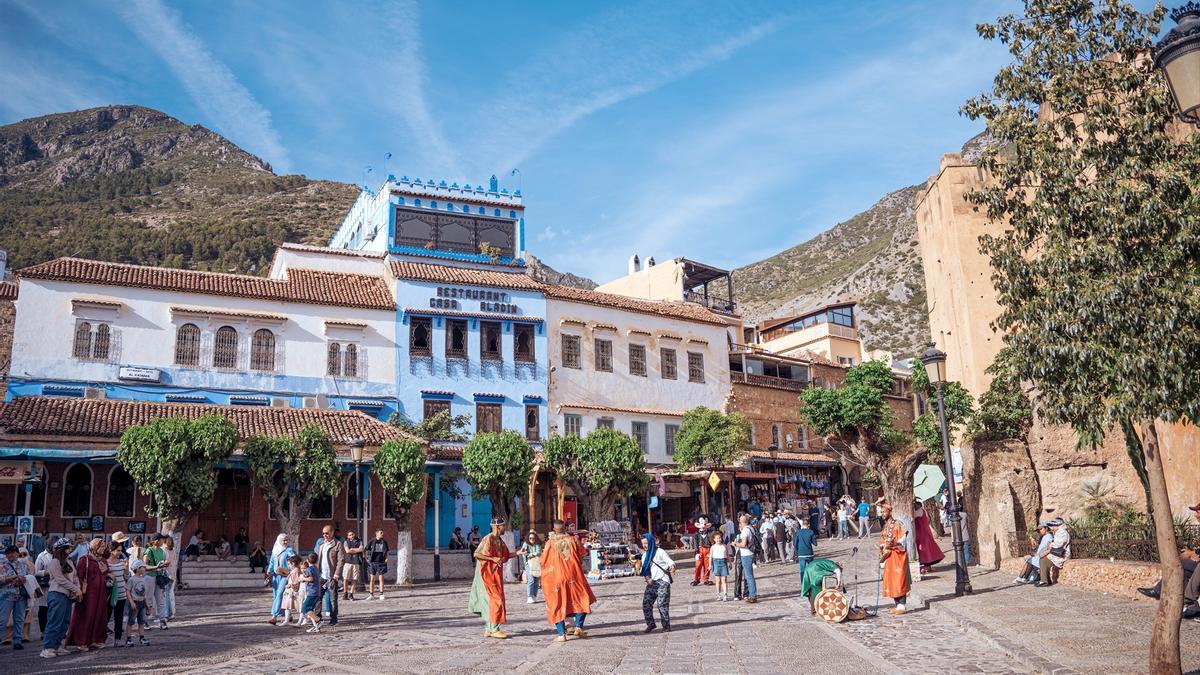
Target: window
point(225, 348)
point(120, 494)
point(532, 423)
point(637, 360)
point(605, 423)
point(322, 508)
point(570, 351)
point(489, 340)
point(262, 350)
point(803, 431)
point(488, 418)
point(522, 342)
point(843, 316)
point(187, 345)
point(695, 367)
point(433, 407)
point(350, 361)
point(100, 346)
point(775, 435)
point(333, 360)
point(91, 341)
point(604, 355)
point(456, 339)
point(352, 498)
point(37, 499)
point(669, 371)
point(671, 431)
point(420, 336)
point(846, 360)
point(82, 348)
point(641, 434)
point(572, 425)
point(77, 491)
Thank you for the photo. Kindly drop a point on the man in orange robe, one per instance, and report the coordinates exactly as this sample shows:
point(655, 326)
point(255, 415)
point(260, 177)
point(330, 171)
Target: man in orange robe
point(564, 584)
point(487, 591)
point(893, 552)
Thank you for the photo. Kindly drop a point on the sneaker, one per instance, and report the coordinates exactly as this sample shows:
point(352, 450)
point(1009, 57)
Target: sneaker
point(371, 596)
point(382, 596)
point(48, 654)
point(61, 651)
point(143, 642)
point(128, 642)
point(18, 645)
point(529, 601)
point(163, 625)
point(695, 583)
point(314, 629)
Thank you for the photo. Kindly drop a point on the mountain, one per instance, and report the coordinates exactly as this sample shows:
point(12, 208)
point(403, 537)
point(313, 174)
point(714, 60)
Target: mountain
point(545, 273)
point(130, 184)
point(872, 258)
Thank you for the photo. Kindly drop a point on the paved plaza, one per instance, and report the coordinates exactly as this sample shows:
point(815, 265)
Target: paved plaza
point(427, 629)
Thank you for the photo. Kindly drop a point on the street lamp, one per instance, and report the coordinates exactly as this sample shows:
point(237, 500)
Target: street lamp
point(356, 456)
point(934, 361)
point(1178, 56)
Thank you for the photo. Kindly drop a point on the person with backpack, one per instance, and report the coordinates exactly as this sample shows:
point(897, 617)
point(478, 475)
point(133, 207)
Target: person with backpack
point(748, 545)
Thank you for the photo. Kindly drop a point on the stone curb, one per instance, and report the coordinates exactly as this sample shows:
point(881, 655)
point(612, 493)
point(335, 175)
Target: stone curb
point(980, 630)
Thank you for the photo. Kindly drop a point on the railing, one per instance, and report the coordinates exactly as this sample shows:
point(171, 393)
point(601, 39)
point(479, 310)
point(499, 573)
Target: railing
point(770, 381)
point(711, 301)
point(1123, 542)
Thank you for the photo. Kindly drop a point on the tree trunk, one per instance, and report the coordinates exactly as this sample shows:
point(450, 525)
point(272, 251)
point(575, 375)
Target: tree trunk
point(895, 473)
point(173, 527)
point(404, 551)
point(1164, 642)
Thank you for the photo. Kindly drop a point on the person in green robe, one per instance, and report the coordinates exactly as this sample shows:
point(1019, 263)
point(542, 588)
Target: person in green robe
point(814, 575)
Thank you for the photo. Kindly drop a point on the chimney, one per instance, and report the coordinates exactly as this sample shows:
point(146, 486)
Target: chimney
point(635, 264)
point(650, 262)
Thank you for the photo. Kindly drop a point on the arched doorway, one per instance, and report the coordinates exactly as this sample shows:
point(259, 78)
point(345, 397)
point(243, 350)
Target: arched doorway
point(230, 507)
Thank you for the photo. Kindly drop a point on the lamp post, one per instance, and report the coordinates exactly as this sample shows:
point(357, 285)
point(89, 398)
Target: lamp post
point(1178, 56)
point(356, 456)
point(934, 361)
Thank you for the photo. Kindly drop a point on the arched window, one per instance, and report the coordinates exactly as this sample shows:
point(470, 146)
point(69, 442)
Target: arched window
point(262, 350)
point(77, 491)
point(322, 508)
point(83, 341)
point(350, 363)
point(333, 360)
point(120, 494)
point(225, 348)
point(100, 347)
point(187, 345)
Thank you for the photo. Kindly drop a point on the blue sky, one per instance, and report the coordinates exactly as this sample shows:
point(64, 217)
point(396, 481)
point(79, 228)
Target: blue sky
point(724, 132)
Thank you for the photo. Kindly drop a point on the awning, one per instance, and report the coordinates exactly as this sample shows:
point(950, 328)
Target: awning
point(752, 475)
point(55, 453)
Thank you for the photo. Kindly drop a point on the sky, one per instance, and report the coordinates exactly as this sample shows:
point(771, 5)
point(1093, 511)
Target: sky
point(723, 132)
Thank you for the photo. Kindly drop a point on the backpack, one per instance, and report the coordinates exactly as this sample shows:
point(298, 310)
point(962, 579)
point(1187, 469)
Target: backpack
point(755, 541)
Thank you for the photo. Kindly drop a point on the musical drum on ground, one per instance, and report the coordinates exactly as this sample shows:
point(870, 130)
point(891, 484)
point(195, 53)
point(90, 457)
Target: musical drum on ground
point(832, 605)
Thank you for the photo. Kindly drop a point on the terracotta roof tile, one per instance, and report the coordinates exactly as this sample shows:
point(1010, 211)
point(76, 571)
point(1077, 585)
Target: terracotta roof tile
point(676, 310)
point(418, 271)
point(305, 286)
point(8, 290)
point(374, 255)
point(108, 418)
point(609, 408)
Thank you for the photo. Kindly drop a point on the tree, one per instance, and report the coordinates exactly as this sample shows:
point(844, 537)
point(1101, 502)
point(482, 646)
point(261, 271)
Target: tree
point(601, 468)
point(856, 422)
point(174, 460)
point(499, 465)
point(292, 472)
point(440, 426)
point(1097, 261)
point(711, 438)
point(1005, 411)
point(400, 467)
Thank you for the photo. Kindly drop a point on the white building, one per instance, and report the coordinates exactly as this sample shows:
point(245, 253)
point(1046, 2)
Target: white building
point(633, 365)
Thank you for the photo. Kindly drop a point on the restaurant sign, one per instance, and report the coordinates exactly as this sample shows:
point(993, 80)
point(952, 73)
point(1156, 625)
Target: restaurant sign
point(473, 299)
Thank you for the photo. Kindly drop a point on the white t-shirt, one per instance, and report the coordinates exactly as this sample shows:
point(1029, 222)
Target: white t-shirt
point(719, 551)
point(747, 536)
point(659, 566)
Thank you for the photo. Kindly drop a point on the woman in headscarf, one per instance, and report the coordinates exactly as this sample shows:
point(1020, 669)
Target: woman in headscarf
point(89, 622)
point(656, 570)
point(928, 551)
point(278, 567)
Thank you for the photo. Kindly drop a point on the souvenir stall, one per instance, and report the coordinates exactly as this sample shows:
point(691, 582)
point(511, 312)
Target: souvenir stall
point(609, 552)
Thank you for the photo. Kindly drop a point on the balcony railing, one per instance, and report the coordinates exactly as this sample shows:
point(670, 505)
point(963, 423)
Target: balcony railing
point(712, 301)
point(770, 381)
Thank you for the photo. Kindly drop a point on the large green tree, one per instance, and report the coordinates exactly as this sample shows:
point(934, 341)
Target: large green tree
point(292, 472)
point(499, 465)
point(600, 468)
point(710, 438)
point(174, 460)
point(1096, 246)
point(927, 428)
point(400, 468)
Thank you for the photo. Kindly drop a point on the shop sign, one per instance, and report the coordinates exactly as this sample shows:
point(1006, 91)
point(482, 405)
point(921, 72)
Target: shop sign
point(492, 302)
point(714, 480)
point(136, 374)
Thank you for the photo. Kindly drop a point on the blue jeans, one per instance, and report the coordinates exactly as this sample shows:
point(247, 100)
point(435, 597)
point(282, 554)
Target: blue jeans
point(278, 583)
point(967, 552)
point(864, 528)
point(163, 605)
point(803, 561)
point(748, 573)
point(16, 607)
point(843, 529)
point(57, 619)
point(561, 626)
point(532, 584)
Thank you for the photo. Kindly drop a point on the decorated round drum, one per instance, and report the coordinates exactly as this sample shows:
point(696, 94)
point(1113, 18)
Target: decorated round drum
point(832, 605)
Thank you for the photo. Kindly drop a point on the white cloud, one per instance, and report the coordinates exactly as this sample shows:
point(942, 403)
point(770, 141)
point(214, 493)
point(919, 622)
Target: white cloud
point(231, 107)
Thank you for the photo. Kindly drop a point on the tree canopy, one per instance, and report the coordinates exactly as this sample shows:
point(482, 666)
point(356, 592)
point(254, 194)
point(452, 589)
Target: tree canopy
point(400, 468)
point(173, 460)
point(927, 427)
point(709, 437)
point(499, 465)
point(600, 468)
point(292, 472)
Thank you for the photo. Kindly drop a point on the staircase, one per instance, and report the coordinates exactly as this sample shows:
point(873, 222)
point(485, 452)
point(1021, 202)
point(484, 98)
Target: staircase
point(210, 574)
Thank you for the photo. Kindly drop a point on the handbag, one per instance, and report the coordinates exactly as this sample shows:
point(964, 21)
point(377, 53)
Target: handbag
point(112, 596)
point(1060, 552)
point(162, 580)
point(534, 567)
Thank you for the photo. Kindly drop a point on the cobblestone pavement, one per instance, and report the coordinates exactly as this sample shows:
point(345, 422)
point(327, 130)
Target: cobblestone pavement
point(427, 629)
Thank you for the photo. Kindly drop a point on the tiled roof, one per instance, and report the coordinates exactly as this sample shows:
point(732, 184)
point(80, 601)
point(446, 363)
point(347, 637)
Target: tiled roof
point(217, 311)
point(793, 456)
point(108, 418)
point(473, 315)
point(675, 310)
point(374, 255)
point(418, 271)
point(634, 411)
point(305, 286)
point(8, 290)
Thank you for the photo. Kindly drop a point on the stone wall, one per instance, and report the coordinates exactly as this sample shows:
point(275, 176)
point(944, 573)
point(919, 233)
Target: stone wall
point(1001, 491)
point(1064, 469)
point(765, 407)
point(1119, 578)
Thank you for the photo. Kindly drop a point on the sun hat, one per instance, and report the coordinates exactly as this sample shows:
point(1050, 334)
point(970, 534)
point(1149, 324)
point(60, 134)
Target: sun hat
point(63, 542)
point(119, 536)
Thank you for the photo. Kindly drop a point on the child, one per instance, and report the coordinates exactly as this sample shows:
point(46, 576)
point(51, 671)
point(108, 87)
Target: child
point(135, 593)
point(292, 592)
point(312, 591)
point(720, 565)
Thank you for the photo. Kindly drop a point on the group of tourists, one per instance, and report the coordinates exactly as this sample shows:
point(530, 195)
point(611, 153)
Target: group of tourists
point(1189, 559)
point(310, 587)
